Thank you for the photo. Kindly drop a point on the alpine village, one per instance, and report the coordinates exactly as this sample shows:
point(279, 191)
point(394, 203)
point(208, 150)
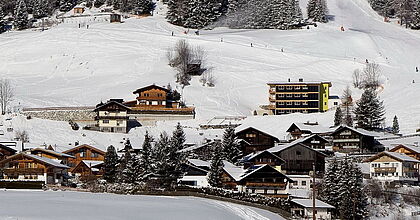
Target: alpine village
point(310, 145)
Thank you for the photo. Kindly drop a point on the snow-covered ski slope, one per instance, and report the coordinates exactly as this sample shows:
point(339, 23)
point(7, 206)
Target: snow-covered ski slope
point(68, 66)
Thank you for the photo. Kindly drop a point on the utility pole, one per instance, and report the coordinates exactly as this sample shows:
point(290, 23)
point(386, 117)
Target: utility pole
point(313, 193)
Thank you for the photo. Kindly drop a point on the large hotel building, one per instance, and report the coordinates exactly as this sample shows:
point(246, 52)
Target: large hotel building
point(304, 97)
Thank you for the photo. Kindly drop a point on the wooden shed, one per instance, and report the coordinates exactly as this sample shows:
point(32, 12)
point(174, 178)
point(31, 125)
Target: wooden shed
point(115, 18)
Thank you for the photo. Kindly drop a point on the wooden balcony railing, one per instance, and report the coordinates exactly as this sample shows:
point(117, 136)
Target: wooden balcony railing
point(9, 171)
point(385, 169)
point(278, 185)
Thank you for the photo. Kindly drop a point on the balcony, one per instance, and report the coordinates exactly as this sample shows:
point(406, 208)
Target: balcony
point(22, 171)
point(255, 184)
point(385, 169)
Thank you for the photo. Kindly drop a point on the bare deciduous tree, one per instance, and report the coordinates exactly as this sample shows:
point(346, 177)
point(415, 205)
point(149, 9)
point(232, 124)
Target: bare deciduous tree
point(22, 136)
point(357, 79)
point(371, 73)
point(6, 94)
point(182, 56)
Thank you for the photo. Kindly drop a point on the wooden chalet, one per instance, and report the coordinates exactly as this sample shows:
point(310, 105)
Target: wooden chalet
point(314, 141)
point(30, 167)
point(261, 158)
point(253, 140)
point(84, 152)
point(299, 159)
point(297, 130)
point(6, 151)
point(112, 116)
point(88, 169)
point(303, 209)
point(348, 140)
point(409, 150)
point(154, 96)
point(263, 179)
point(79, 9)
point(195, 173)
point(202, 152)
point(51, 154)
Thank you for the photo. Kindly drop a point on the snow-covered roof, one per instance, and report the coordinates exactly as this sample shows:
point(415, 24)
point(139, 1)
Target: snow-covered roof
point(313, 128)
point(52, 152)
point(413, 148)
point(92, 163)
point(395, 155)
point(296, 82)
point(255, 154)
point(47, 161)
point(308, 203)
point(234, 171)
point(360, 131)
point(199, 163)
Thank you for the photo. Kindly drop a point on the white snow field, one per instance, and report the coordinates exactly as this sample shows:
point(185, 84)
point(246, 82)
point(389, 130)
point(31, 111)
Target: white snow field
point(49, 205)
point(68, 66)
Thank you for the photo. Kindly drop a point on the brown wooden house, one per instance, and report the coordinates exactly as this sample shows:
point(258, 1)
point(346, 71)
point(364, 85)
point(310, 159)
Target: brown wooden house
point(88, 169)
point(6, 151)
point(263, 179)
point(314, 141)
point(84, 152)
point(253, 140)
point(153, 96)
point(347, 140)
point(30, 167)
point(298, 130)
point(299, 158)
point(41, 152)
point(261, 158)
point(409, 150)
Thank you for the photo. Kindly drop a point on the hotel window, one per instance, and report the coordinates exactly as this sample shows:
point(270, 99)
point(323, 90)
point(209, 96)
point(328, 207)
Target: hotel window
point(303, 183)
point(297, 95)
point(281, 87)
point(304, 103)
point(281, 95)
point(305, 95)
point(105, 121)
point(289, 95)
point(297, 103)
point(94, 155)
point(289, 103)
point(251, 135)
point(297, 88)
point(289, 87)
point(82, 153)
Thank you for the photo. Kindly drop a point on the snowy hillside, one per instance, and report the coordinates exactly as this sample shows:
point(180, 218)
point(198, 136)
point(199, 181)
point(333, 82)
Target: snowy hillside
point(68, 66)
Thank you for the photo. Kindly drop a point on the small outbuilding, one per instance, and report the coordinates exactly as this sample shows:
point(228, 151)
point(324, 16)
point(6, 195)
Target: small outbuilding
point(79, 9)
point(115, 18)
point(302, 208)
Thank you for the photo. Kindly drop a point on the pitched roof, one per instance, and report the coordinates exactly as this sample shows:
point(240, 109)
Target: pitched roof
point(52, 152)
point(308, 203)
point(43, 160)
point(413, 148)
point(297, 83)
point(357, 130)
point(8, 148)
point(282, 147)
point(199, 163)
point(109, 103)
point(251, 127)
point(312, 128)
point(150, 87)
point(92, 163)
point(84, 145)
point(256, 154)
point(395, 155)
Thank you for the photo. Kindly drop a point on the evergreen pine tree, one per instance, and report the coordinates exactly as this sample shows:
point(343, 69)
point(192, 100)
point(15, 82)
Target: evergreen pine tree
point(143, 7)
point(178, 138)
point(338, 117)
point(159, 154)
point(177, 11)
point(317, 10)
point(202, 13)
point(40, 9)
point(369, 111)
point(110, 165)
point(395, 125)
point(21, 15)
point(146, 157)
point(329, 188)
point(347, 102)
point(2, 22)
point(415, 18)
point(216, 167)
point(230, 146)
point(126, 168)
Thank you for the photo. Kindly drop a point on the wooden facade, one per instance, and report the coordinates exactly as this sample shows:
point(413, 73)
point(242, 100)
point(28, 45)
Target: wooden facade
point(254, 140)
point(348, 140)
point(315, 141)
point(261, 158)
point(299, 159)
point(84, 152)
point(409, 150)
point(152, 96)
point(64, 158)
point(29, 167)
